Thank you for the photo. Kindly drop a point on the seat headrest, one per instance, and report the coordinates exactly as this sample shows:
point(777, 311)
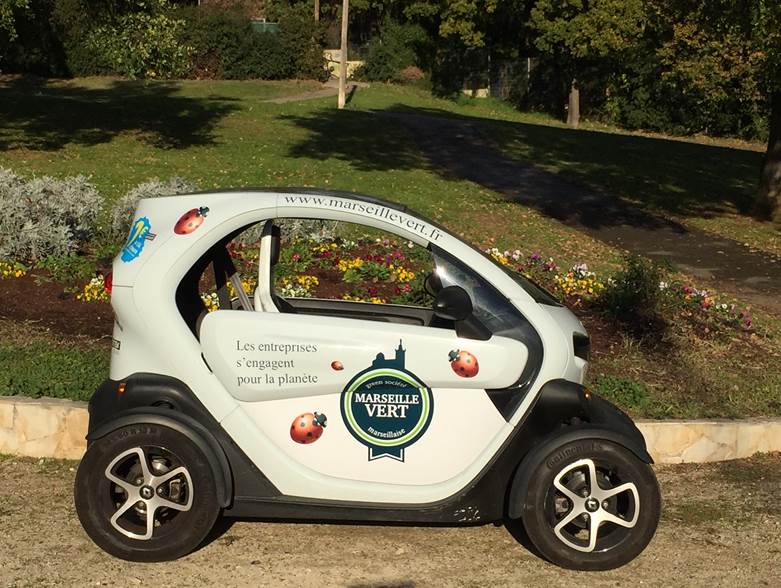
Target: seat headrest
point(276, 239)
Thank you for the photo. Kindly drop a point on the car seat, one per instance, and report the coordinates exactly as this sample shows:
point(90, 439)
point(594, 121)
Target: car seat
point(265, 297)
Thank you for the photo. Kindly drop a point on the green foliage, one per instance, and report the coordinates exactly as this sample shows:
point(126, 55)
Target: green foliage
point(465, 20)
point(35, 47)
point(143, 43)
point(295, 258)
point(45, 369)
point(301, 40)
point(625, 392)
point(73, 21)
point(370, 271)
point(225, 46)
point(45, 216)
point(634, 290)
point(68, 269)
point(7, 15)
point(389, 52)
point(585, 30)
point(696, 69)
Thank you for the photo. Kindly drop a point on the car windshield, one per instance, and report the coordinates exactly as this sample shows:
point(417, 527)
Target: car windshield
point(539, 294)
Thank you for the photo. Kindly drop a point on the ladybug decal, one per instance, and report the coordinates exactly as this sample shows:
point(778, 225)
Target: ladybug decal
point(308, 427)
point(190, 220)
point(337, 365)
point(463, 363)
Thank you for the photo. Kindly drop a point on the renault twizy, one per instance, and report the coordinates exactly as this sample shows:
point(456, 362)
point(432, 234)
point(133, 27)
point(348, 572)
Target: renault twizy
point(468, 411)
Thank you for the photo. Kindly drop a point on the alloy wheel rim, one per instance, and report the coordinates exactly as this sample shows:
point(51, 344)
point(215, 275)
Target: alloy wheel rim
point(591, 507)
point(148, 485)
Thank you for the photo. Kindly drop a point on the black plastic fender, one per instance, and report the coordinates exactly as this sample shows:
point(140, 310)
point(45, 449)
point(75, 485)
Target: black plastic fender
point(587, 416)
point(187, 426)
point(523, 474)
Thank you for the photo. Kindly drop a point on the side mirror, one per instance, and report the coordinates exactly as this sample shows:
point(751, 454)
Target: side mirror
point(453, 303)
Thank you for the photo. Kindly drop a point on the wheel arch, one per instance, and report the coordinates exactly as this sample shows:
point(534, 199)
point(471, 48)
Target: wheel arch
point(564, 412)
point(185, 425)
point(523, 475)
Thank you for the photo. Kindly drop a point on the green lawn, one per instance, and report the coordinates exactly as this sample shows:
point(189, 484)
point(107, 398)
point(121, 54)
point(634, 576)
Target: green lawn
point(223, 134)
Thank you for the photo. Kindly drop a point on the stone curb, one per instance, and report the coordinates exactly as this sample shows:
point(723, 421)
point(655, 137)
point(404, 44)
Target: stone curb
point(54, 428)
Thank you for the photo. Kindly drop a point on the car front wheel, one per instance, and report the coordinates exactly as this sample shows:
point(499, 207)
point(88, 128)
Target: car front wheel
point(591, 505)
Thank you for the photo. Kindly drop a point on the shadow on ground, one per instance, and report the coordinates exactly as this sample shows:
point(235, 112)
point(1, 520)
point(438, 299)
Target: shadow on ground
point(671, 175)
point(39, 114)
point(580, 178)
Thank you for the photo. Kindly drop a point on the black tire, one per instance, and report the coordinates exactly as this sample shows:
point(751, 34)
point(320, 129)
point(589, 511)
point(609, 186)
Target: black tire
point(546, 506)
point(191, 493)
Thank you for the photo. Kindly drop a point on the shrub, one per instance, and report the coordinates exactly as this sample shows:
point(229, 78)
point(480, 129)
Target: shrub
point(302, 39)
point(143, 43)
point(411, 74)
point(390, 52)
point(73, 21)
point(37, 47)
point(226, 46)
point(219, 42)
point(634, 291)
point(122, 212)
point(44, 216)
point(69, 268)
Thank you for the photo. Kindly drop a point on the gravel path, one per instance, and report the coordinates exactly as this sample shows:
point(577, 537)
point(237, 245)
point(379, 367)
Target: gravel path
point(721, 527)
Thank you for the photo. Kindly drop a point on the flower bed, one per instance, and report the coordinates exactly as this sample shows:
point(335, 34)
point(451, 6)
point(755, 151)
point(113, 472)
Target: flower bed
point(387, 271)
point(578, 286)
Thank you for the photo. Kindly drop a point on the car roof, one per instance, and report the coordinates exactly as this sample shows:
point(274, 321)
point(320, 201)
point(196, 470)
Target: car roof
point(335, 193)
point(315, 192)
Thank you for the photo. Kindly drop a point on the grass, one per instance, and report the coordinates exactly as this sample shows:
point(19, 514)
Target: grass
point(703, 182)
point(224, 134)
point(35, 363)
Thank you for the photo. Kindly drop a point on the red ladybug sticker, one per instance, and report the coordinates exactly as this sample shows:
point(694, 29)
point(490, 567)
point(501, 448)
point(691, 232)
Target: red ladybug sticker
point(190, 220)
point(463, 363)
point(337, 365)
point(308, 427)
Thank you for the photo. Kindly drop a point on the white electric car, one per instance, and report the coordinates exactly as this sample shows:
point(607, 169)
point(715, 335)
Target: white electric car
point(466, 412)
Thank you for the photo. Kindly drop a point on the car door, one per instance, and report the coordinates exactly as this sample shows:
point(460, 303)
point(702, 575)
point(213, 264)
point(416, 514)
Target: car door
point(364, 392)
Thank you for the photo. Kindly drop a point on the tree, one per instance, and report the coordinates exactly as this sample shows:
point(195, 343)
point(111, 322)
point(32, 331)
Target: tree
point(767, 30)
point(576, 32)
point(7, 15)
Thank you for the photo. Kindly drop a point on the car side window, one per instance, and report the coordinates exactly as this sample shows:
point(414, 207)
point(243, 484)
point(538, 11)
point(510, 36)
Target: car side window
point(491, 308)
point(348, 262)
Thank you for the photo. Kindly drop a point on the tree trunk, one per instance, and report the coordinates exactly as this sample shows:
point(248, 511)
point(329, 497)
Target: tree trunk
point(768, 203)
point(573, 108)
point(317, 10)
point(343, 56)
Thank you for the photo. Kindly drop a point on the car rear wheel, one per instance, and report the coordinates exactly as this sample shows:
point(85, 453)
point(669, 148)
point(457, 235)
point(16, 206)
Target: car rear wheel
point(591, 505)
point(145, 493)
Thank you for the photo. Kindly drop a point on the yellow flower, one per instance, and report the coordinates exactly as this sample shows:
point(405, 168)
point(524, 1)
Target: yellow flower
point(94, 291)
point(12, 269)
point(345, 265)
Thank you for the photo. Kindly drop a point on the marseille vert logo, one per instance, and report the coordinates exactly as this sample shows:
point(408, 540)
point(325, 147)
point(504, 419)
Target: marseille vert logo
point(386, 407)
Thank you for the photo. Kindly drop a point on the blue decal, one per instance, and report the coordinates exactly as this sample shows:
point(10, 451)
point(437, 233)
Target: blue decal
point(386, 407)
point(139, 235)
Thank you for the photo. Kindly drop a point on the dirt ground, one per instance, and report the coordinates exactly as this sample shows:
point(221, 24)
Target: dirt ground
point(721, 527)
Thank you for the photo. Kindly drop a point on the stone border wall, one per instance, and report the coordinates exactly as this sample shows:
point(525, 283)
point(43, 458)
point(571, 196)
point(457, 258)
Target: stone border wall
point(54, 428)
point(42, 427)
